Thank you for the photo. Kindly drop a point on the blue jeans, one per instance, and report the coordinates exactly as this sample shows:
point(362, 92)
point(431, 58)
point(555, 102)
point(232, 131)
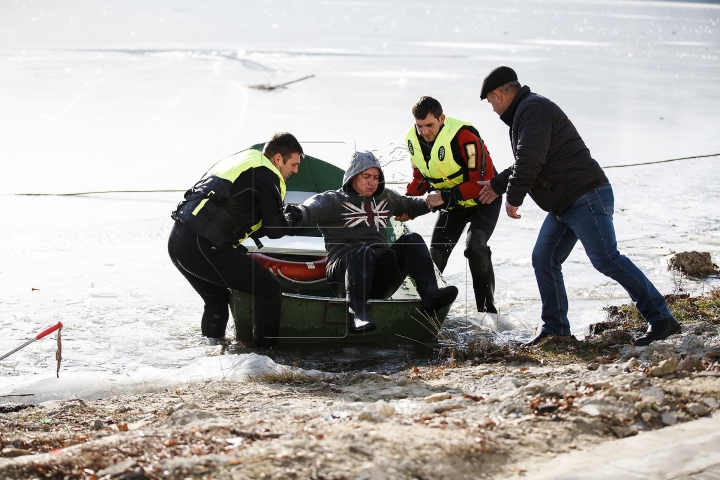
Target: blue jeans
point(589, 220)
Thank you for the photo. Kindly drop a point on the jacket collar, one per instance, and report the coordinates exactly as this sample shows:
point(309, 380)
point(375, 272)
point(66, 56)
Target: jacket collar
point(508, 115)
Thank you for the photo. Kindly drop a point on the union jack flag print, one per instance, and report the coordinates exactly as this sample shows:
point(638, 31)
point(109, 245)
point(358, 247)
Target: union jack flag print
point(373, 214)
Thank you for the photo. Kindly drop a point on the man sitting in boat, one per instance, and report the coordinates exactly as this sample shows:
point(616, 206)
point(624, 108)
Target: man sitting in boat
point(240, 196)
point(360, 263)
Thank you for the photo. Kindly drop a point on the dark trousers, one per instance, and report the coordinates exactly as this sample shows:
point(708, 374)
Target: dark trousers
point(448, 228)
point(380, 275)
point(451, 223)
point(590, 220)
point(212, 271)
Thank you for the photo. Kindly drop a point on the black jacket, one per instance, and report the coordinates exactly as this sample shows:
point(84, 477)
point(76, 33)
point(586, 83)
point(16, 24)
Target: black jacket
point(257, 193)
point(552, 163)
point(228, 216)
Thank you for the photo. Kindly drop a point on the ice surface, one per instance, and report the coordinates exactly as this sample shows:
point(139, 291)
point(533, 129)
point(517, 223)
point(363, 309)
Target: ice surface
point(144, 378)
point(147, 95)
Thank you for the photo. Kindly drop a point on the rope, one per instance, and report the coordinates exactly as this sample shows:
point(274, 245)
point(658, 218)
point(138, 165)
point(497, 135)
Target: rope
point(663, 161)
point(387, 183)
point(619, 166)
point(93, 193)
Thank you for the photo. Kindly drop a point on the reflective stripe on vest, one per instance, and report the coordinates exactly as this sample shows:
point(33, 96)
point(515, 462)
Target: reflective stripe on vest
point(442, 171)
point(232, 167)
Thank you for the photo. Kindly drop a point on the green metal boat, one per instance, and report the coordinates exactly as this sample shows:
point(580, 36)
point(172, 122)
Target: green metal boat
point(310, 311)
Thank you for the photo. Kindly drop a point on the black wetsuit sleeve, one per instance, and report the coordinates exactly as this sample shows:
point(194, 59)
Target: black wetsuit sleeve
point(274, 224)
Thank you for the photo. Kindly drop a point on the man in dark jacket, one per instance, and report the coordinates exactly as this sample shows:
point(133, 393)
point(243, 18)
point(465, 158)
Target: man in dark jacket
point(553, 166)
point(360, 263)
point(240, 196)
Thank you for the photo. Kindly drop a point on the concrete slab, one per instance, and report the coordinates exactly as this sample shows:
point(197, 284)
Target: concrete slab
point(687, 451)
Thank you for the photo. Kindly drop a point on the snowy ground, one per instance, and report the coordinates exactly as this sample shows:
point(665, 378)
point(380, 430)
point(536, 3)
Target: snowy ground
point(137, 95)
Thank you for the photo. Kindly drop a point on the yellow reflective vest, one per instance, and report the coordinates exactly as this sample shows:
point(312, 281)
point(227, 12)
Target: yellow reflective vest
point(209, 209)
point(442, 171)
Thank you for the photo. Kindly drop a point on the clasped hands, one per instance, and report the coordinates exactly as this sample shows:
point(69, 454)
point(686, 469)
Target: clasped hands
point(487, 195)
point(432, 200)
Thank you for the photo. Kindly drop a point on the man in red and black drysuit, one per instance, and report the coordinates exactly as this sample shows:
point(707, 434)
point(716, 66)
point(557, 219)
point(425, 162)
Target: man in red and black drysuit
point(449, 157)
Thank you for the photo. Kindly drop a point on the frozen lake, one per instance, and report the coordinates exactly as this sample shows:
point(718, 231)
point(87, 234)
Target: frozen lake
point(147, 95)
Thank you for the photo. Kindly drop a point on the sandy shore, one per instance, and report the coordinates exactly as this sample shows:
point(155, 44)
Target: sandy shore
point(459, 419)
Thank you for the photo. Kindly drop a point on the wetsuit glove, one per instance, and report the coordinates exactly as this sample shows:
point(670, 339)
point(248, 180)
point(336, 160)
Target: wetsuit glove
point(449, 200)
point(293, 214)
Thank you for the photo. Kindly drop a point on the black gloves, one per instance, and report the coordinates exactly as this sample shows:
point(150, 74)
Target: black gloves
point(293, 214)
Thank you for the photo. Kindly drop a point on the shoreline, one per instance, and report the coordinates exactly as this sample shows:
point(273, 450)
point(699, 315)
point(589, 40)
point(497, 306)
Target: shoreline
point(459, 419)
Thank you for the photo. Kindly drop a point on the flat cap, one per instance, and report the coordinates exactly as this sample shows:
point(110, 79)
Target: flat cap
point(497, 78)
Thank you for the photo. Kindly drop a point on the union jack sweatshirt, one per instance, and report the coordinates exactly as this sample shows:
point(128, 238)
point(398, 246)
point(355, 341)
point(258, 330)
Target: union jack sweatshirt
point(348, 220)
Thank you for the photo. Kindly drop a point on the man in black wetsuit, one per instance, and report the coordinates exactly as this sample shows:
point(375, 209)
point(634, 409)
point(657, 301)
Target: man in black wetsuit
point(240, 196)
point(449, 157)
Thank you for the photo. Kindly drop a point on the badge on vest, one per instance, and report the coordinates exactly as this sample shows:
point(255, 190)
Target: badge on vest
point(410, 148)
point(471, 154)
point(441, 153)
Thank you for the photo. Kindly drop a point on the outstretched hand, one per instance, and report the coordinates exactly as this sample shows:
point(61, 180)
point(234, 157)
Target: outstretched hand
point(512, 210)
point(487, 194)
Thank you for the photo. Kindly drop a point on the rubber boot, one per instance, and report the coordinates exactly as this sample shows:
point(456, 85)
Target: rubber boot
point(438, 298)
point(214, 320)
point(480, 261)
point(358, 281)
point(266, 316)
point(421, 269)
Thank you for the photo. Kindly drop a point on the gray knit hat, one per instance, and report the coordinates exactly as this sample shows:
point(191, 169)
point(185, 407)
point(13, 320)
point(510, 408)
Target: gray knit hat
point(360, 162)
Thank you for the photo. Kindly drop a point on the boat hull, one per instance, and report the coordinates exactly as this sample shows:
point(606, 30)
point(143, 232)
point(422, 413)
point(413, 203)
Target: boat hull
point(310, 311)
point(316, 319)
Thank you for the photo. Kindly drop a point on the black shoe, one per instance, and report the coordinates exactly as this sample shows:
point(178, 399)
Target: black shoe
point(659, 330)
point(488, 309)
point(358, 325)
point(266, 340)
point(438, 299)
point(540, 336)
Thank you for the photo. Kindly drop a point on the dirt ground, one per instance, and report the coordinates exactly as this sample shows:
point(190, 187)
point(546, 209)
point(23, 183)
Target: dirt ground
point(476, 414)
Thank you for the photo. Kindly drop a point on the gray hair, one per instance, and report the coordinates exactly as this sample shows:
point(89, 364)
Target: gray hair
point(510, 88)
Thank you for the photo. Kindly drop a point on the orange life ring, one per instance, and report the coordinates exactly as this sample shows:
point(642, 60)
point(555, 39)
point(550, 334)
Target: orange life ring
point(299, 271)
